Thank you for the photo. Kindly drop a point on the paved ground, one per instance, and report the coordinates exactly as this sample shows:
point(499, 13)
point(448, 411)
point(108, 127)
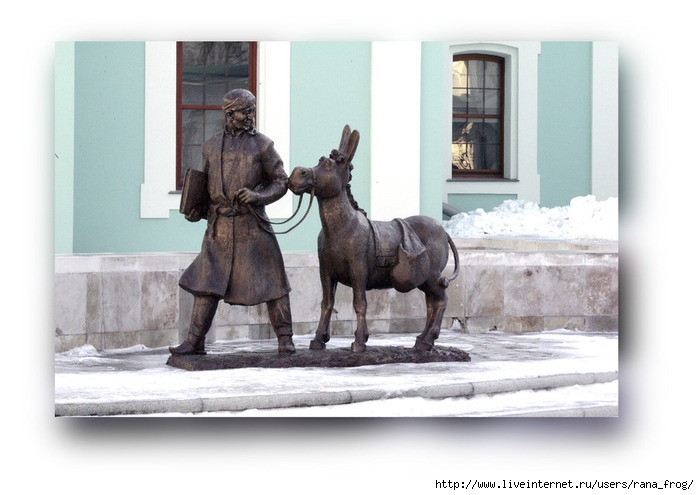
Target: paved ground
point(560, 373)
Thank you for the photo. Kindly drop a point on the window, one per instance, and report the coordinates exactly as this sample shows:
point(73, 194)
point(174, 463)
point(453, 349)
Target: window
point(478, 102)
point(159, 195)
point(205, 72)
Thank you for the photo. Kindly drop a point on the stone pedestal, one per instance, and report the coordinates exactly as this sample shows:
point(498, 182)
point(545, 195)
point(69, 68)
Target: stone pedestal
point(328, 358)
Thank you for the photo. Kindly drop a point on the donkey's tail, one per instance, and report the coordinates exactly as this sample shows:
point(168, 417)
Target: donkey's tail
point(444, 281)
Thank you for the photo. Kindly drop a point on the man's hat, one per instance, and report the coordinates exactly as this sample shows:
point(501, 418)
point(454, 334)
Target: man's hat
point(238, 99)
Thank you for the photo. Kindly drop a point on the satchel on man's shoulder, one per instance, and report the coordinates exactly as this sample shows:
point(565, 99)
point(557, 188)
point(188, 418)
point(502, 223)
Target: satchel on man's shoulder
point(195, 195)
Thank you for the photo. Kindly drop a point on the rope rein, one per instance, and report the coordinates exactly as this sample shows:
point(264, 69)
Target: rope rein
point(262, 223)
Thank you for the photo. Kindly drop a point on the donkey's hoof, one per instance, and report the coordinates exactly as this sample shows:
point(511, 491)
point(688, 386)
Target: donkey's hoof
point(316, 345)
point(421, 345)
point(357, 347)
point(286, 345)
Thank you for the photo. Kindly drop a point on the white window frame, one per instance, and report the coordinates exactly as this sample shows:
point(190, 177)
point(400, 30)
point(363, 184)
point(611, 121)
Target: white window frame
point(521, 114)
point(158, 191)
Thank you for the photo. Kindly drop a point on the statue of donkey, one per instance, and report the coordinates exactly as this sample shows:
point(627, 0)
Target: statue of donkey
point(362, 254)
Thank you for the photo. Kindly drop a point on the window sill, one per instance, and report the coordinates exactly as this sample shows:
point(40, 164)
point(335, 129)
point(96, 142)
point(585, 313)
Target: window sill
point(480, 179)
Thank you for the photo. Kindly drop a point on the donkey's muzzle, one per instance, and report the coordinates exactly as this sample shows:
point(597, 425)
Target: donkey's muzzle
point(301, 180)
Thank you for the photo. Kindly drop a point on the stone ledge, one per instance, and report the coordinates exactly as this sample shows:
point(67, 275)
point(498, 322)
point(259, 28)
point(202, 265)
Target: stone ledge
point(113, 301)
point(535, 244)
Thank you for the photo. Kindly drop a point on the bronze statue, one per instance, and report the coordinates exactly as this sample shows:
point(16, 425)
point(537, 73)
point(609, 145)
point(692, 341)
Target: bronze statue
point(362, 254)
point(240, 260)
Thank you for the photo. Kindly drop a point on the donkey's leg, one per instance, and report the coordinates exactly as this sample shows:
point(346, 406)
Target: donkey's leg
point(436, 300)
point(361, 335)
point(326, 308)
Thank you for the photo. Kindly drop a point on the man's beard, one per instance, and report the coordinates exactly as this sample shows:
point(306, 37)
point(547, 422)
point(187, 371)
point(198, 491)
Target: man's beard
point(246, 126)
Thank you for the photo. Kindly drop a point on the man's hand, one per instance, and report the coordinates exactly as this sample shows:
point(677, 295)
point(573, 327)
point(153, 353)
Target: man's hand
point(245, 196)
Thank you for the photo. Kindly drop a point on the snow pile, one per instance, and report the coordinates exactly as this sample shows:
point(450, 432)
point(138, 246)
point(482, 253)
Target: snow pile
point(80, 352)
point(585, 218)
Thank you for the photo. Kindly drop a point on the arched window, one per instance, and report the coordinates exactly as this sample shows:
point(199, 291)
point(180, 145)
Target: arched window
point(205, 72)
point(478, 102)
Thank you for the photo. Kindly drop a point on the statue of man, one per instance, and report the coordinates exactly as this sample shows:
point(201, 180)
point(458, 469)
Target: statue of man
point(240, 262)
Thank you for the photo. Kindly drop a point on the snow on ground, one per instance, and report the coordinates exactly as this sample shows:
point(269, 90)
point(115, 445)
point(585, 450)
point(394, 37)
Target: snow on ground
point(85, 375)
point(585, 218)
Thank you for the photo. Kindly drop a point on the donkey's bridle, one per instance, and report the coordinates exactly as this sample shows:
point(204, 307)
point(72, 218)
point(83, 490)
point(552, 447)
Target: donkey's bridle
point(262, 223)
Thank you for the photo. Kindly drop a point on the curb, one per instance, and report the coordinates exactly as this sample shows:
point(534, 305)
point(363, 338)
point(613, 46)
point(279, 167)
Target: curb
point(280, 401)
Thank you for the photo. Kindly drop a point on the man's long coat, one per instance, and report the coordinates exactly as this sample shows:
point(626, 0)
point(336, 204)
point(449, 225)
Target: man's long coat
point(239, 261)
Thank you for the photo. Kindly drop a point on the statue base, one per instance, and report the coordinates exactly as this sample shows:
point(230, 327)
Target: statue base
point(328, 358)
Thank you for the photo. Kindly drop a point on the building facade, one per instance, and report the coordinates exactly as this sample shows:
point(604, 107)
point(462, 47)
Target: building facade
point(115, 132)
point(467, 124)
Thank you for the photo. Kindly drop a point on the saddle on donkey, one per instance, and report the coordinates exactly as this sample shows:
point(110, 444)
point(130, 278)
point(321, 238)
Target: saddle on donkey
point(399, 249)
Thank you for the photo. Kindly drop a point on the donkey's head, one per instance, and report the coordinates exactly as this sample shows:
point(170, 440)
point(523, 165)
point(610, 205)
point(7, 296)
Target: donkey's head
point(332, 174)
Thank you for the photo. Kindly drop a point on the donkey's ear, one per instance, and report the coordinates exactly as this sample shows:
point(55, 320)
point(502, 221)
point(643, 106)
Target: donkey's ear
point(344, 140)
point(352, 145)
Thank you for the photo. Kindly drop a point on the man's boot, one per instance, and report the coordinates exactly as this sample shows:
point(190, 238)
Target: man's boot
point(280, 318)
point(193, 344)
point(202, 316)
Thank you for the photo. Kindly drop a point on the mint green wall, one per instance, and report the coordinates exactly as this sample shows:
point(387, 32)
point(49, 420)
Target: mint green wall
point(109, 82)
point(470, 202)
point(432, 110)
point(64, 157)
point(109, 147)
point(565, 119)
point(330, 87)
point(99, 136)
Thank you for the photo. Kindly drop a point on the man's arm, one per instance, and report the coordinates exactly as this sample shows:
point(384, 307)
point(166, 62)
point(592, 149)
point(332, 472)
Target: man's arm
point(276, 183)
